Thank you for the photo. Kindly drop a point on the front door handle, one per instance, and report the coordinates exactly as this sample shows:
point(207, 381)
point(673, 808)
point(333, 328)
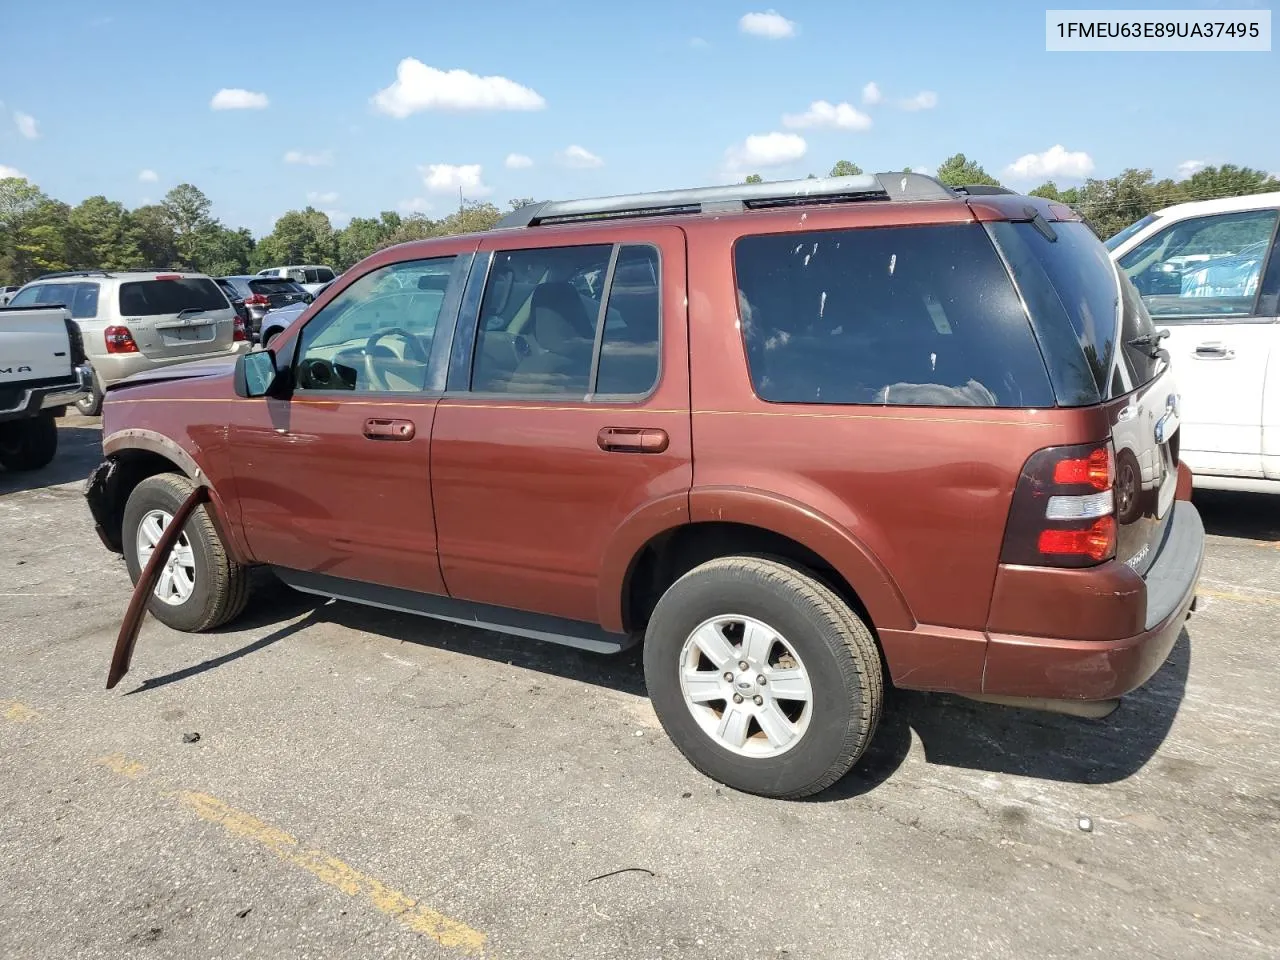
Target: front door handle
point(632, 440)
point(1213, 351)
point(378, 429)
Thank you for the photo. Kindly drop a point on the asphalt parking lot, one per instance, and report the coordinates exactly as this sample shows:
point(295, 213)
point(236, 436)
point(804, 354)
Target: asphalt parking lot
point(367, 784)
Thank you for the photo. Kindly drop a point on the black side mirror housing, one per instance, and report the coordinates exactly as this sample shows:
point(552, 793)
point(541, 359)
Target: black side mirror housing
point(256, 374)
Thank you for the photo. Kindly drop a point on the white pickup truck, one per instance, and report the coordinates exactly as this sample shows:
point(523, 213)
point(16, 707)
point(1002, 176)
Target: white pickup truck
point(42, 369)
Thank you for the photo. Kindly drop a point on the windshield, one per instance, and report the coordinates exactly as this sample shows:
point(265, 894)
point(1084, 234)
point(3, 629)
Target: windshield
point(1129, 231)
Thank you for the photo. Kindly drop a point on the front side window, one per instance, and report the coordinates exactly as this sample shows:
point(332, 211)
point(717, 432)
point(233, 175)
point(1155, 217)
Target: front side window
point(1204, 267)
point(376, 335)
point(913, 316)
point(538, 331)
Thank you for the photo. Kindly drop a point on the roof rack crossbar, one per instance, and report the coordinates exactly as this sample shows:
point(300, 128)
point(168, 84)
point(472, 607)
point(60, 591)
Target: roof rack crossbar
point(732, 198)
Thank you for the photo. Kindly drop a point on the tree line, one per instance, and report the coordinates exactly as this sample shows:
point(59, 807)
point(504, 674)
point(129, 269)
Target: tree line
point(1110, 205)
point(39, 234)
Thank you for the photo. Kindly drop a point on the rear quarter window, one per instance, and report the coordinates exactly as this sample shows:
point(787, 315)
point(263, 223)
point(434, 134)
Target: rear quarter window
point(150, 298)
point(910, 316)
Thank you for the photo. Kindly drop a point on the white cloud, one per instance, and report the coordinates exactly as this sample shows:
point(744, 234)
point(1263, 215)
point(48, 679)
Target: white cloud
point(871, 94)
point(579, 158)
point(765, 150)
point(448, 178)
point(26, 125)
point(924, 100)
point(420, 87)
point(415, 205)
point(327, 197)
point(1188, 167)
point(927, 171)
point(7, 172)
point(1057, 161)
point(233, 98)
point(337, 217)
point(320, 158)
point(824, 114)
point(518, 161)
point(147, 176)
point(770, 24)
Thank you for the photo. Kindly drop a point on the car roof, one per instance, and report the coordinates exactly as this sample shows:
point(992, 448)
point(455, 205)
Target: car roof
point(1256, 201)
point(122, 275)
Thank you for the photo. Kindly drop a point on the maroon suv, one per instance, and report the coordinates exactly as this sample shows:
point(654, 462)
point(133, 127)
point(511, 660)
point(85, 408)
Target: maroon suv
point(792, 436)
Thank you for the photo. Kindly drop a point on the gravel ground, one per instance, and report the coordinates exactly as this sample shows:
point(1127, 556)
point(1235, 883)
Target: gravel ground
point(366, 784)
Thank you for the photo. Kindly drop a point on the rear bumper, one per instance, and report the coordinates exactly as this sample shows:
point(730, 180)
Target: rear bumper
point(1021, 666)
point(50, 396)
point(112, 368)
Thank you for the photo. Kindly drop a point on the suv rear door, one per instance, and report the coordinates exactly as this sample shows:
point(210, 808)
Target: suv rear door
point(1200, 279)
point(176, 315)
point(556, 428)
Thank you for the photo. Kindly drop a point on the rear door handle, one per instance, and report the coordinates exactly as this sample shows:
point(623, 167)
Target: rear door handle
point(632, 440)
point(1213, 351)
point(377, 429)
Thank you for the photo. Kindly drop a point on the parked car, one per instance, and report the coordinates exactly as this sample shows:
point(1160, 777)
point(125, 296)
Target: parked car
point(790, 435)
point(139, 320)
point(42, 369)
point(277, 319)
point(309, 276)
point(6, 293)
point(261, 294)
point(1209, 275)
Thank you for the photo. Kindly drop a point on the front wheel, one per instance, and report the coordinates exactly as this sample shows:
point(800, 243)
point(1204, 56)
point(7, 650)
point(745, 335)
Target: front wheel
point(201, 586)
point(762, 677)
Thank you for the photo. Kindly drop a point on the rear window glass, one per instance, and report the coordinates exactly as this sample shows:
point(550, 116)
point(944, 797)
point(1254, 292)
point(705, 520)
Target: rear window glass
point(274, 285)
point(913, 316)
point(1072, 291)
point(150, 298)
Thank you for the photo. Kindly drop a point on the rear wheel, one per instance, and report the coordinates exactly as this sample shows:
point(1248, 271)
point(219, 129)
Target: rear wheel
point(91, 405)
point(763, 678)
point(201, 586)
point(29, 444)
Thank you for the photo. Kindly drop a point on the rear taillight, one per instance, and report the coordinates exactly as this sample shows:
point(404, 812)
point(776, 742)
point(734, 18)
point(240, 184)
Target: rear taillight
point(256, 300)
point(1063, 509)
point(240, 332)
point(119, 340)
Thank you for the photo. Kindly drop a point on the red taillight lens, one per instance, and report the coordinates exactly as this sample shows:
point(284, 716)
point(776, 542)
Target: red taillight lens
point(1097, 470)
point(1098, 542)
point(119, 340)
point(240, 333)
point(256, 300)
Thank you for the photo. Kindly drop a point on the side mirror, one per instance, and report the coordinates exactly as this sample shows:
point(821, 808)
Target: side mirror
point(256, 373)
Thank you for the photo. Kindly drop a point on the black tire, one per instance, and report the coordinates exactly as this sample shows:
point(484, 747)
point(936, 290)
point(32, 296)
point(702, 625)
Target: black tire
point(269, 335)
point(91, 405)
point(30, 443)
point(836, 648)
point(221, 584)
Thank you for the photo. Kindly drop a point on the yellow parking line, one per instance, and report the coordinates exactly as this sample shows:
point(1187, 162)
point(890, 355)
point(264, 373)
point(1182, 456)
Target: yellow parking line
point(1242, 597)
point(19, 712)
point(330, 870)
point(123, 766)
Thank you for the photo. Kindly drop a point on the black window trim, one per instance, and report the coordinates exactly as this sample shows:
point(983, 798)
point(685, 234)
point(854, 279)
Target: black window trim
point(1217, 319)
point(462, 361)
point(445, 322)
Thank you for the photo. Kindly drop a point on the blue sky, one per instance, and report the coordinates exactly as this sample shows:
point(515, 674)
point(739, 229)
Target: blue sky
point(654, 95)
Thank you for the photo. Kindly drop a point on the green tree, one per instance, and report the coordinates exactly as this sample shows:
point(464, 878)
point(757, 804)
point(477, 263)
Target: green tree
point(959, 171)
point(416, 226)
point(754, 178)
point(300, 236)
point(220, 251)
point(1048, 190)
point(1227, 180)
point(473, 217)
point(151, 232)
point(101, 235)
point(187, 209)
point(19, 201)
point(1109, 206)
point(845, 168)
point(362, 236)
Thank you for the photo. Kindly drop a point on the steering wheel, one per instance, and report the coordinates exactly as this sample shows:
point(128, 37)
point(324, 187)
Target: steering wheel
point(413, 350)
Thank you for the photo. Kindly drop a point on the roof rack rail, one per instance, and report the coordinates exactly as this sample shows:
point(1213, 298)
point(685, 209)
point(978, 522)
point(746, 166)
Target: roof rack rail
point(983, 190)
point(731, 199)
point(73, 273)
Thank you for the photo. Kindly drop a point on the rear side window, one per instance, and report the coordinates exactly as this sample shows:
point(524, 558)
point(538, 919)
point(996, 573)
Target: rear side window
point(319, 275)
point(910, 316)
point(84, 300)
point(150, 298)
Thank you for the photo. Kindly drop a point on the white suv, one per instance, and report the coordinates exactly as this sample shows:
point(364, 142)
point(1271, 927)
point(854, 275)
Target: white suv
point(139, 320)
point(309, 276)
point(1209, 273)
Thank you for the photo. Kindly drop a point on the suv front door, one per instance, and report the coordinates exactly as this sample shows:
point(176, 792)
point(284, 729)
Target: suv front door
point(562, 418)
point(334, 479)
point(1201, 280)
